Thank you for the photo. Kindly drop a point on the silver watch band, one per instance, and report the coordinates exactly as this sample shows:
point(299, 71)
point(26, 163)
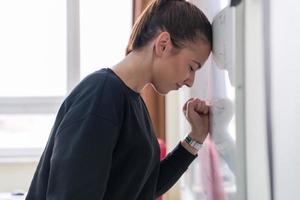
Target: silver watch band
point(193, 143)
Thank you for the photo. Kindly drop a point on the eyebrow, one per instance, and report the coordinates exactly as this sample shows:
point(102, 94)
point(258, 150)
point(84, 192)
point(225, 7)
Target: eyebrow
point(199, 65)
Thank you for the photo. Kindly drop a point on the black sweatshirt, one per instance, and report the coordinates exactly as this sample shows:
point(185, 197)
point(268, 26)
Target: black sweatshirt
point(102, 146)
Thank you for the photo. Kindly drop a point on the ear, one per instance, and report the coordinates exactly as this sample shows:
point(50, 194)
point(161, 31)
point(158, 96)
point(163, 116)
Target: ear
point(162, 43)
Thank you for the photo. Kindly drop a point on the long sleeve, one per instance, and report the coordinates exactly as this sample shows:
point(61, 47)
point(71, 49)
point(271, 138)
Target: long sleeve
point(172, 168)
point(81, 159)
point(102, 146)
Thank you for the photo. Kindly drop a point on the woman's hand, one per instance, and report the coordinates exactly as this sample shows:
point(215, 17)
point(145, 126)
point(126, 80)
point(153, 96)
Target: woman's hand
point(196, 112)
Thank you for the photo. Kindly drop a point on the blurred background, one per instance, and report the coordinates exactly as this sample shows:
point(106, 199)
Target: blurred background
point(251, 80)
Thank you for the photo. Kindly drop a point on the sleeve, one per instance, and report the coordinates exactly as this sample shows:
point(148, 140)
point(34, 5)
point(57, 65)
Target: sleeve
point(172, 167)
point(81, 159)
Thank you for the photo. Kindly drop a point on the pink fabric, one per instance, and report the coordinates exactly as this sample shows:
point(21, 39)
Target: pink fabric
point(163, 148)
point(211, 175)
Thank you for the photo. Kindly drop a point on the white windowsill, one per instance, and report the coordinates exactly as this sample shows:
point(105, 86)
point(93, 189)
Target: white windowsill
point(20, 155)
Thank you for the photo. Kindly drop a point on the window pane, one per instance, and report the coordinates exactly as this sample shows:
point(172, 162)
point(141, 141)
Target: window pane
point(105, 27)
point(25, 130)
point(33, 48)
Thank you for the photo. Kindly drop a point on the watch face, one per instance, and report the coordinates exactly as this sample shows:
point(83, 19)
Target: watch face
point(193, 143)
point(188, 139)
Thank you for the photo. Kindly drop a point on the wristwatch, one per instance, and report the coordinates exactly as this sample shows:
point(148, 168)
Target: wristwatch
point(193, 143)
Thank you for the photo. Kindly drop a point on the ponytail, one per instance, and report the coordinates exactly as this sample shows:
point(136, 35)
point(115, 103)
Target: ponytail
point(183, 20)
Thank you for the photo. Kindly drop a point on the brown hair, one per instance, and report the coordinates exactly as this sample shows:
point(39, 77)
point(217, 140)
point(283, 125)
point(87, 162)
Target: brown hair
point(183, 20)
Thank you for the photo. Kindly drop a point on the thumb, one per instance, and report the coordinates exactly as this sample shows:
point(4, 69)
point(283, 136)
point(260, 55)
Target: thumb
point(190, 108)
point(185, 105)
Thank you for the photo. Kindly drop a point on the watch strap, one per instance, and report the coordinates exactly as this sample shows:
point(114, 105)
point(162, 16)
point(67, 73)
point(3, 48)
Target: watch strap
point(196, 145)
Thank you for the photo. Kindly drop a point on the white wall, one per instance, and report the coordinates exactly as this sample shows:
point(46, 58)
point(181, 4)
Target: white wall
point(257, 179)
point(285, 96)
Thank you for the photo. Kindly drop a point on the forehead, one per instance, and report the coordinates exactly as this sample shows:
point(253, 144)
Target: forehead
point(199, 49)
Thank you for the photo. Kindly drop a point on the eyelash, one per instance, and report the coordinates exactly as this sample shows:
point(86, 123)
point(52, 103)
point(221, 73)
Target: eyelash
point(191, 68)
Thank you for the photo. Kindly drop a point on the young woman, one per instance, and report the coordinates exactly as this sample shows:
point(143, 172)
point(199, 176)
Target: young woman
point(102, 144)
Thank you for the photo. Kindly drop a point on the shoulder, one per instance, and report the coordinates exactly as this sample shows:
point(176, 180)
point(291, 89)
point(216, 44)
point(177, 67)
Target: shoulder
point(101, 80)
point(100, 93)
point(101, 83)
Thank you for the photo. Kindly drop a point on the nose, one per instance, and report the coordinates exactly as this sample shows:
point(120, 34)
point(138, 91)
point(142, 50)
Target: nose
point(190, 80)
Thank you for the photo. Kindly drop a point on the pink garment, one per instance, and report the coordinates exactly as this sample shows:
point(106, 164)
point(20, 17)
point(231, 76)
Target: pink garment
point(211, 175)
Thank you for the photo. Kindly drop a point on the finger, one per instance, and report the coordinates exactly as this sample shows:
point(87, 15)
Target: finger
point(205, 109)
point(185, 105)
point(190, 108)
point(200, 105)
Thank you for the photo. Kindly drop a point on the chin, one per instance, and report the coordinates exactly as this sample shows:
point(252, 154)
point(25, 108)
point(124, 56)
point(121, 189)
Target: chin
point(160, 90)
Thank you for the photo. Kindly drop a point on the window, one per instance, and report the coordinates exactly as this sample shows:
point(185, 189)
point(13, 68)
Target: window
point(33, 50)
point(43, 45)
point(104, 32)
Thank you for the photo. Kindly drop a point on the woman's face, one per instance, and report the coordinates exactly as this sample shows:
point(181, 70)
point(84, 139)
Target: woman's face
point(175, 70)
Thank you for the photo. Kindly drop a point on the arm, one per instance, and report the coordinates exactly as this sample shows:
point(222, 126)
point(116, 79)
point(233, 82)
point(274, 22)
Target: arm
point(81, 159)
point(177, 162)
point(172, 167)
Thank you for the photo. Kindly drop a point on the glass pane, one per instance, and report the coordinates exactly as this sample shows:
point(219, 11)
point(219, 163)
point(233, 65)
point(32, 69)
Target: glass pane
point(33, 48)
point(105, 27)
point(25, 130)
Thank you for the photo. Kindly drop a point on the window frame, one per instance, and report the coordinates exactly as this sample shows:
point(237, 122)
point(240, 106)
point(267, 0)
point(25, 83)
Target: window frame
point(48, 104)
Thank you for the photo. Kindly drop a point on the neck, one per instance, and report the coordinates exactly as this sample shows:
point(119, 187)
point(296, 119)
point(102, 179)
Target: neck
point(135, 70)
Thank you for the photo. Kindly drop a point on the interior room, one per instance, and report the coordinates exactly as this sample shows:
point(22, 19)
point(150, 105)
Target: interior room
point(249, 83)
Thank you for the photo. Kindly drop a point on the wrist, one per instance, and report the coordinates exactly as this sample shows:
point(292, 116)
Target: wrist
point(197, 137)
point(193, 143)
point(189, 148)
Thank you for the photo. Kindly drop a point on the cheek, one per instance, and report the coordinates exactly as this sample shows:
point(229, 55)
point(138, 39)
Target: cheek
point(178, 68)
point(182, 71)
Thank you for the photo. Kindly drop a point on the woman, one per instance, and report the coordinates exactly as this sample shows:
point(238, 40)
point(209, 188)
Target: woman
point(102, 145)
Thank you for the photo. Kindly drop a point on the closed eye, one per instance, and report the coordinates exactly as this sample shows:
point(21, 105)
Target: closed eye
point(191, 68)
point(198, 63)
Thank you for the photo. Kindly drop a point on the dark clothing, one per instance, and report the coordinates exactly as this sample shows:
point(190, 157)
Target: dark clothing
point(102, 146)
